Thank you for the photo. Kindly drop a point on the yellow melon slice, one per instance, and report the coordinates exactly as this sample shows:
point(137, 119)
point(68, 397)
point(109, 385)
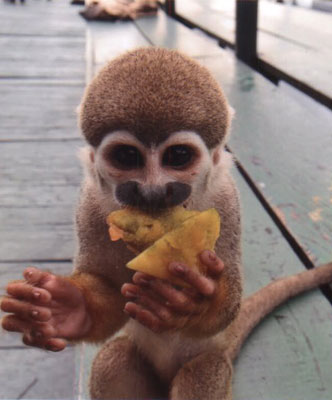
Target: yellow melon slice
point(183, 244)
point(139, 230)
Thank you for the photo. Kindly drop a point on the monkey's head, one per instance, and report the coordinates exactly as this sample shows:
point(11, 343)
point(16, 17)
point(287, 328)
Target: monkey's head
point(156, 121)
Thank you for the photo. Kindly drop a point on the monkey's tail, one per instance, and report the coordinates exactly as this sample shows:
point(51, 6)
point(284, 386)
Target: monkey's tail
point(261, 303)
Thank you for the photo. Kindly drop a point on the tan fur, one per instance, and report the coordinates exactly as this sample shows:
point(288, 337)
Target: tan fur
point(153, 92)
point(108, 303)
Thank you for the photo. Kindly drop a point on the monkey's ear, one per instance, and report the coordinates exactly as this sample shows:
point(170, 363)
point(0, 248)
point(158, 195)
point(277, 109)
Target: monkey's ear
point(87, 157)
point(232, 113)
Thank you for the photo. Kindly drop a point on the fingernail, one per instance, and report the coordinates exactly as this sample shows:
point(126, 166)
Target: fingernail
point(130, 313)
point(51, 348)
point(36, 295)
point(131, 293)
point(212, 257)
point(144, 282)
point(34, 313)
point(178, 268)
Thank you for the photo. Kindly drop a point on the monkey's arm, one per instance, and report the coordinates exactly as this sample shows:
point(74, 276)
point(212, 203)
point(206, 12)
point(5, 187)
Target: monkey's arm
point(104, 305)
point(49, 309)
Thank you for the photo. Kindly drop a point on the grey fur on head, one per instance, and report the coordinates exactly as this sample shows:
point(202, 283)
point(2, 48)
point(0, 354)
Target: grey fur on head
point(152, 92)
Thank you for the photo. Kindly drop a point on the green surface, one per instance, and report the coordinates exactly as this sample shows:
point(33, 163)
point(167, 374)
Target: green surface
point(39, 188)
point(288, 36)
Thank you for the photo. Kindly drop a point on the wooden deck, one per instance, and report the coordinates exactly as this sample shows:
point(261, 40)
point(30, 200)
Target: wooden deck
point(293, 42)
point(290, 354)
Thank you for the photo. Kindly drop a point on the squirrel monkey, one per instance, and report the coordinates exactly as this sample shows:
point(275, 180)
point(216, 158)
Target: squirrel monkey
point(155, 122)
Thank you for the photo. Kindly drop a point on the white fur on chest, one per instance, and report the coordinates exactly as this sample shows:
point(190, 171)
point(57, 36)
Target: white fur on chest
point(167, 352)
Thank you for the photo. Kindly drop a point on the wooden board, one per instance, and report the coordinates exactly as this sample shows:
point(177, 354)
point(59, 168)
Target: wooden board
point(35, 371)
point(288, 37)
point(39, 110)
point(48, 57)
point(106, 40)
point(42, 18)
point(166, 32)
point(284, 143)
point(39, 187)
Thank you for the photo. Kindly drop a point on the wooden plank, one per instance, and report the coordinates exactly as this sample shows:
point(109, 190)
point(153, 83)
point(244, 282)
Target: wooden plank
point(166, 32)
point(291, 351)
point(44, 18)
point(287, 38)
point(35, 371)
point(215, 22)
point(39, 110)
point(39, 187)
point(273, 138)
point(105, 40)
point(48, 57)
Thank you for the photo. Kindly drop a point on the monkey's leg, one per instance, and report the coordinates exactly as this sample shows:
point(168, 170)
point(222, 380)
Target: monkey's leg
point(119, 372)
point(206, 377)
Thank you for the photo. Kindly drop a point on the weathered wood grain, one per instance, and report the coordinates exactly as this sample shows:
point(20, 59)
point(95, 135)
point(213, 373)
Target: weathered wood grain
point(284, 143)
point(48, 57)
point(165, 32)
point(39, 188)
point(39, 110)
point(42, 18)
point(288, 37)
point(106, 40)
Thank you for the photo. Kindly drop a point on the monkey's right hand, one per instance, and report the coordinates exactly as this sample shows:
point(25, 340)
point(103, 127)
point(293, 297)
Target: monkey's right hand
point(47, 309)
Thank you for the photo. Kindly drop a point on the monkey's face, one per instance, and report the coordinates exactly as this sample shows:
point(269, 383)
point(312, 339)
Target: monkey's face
point(152, 177)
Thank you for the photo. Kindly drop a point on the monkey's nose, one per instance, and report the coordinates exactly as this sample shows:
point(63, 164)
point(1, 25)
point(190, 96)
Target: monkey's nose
point(152, 199)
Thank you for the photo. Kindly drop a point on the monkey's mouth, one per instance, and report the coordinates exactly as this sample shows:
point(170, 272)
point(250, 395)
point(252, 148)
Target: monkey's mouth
point(153, 199)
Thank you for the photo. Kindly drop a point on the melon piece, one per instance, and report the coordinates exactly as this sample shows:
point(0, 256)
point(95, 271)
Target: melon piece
point(139, 230)
point(184, 243)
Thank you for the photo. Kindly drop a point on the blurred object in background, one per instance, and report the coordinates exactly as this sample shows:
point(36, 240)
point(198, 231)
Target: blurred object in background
point(111, 10)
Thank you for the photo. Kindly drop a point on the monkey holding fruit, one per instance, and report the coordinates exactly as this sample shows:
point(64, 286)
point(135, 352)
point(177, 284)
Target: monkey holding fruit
point(155, 122)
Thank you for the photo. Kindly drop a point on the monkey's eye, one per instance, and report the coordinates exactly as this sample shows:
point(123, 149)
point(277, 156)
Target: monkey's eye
point(126, 157)
point(178, 156)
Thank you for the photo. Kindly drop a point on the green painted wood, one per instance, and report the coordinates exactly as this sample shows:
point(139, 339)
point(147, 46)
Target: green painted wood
point(22, 101)
point(48, 57)
point(288, 37)
point(44, 18)
point(210, 17)
point(283, 141)
point(39, 187)
point(32, 373)
point(106, 40)
point(166, 32)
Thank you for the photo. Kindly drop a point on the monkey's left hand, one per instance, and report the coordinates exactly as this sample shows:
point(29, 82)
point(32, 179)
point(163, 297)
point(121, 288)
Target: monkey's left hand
point(160, 306)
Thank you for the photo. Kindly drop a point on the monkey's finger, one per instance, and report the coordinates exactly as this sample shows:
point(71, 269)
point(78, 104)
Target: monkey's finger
point(214, 263)
point(55, 344)
point(134, 293)
point(176, 299)
point(202, 284)
point(22, 290)
point(145, 317)
point(25, 310)
point(155, 307)
point(13, 324)
point(35, 276)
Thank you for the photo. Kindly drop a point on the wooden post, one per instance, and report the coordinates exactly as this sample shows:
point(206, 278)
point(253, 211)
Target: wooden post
point(246, 30)
point(170, 7)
